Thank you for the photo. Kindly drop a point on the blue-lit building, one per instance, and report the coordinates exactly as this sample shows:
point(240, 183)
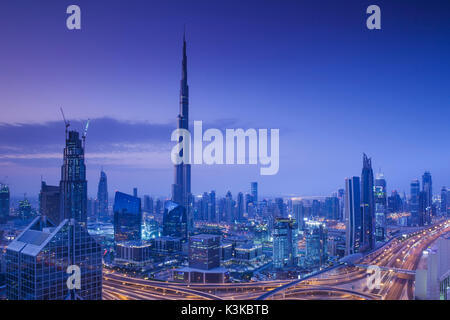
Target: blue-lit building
point(380, 207)
point(367, 205)
point(414, 203)
point(127, 218)
point(353, 215)
point(204, 251)
point(316, 237)
point(175, 220)
point(285, 243)
point(254, 192)
point(102, 196)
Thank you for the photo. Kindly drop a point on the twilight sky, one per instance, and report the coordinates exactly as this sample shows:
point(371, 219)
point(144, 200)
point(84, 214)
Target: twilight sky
point(310, 68)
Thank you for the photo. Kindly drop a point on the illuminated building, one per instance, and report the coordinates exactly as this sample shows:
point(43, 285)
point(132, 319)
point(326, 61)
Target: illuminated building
point(367, 205)
point(284, 242)
point(174, 220)
point(316, 236)
point(353, 215)
point(135, 253)
point(102, 196)
point(380, 207)
point(127, 218)
point(204, 261)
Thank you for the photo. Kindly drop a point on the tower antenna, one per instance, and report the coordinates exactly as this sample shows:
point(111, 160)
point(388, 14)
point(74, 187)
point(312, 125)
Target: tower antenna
point(85, 132)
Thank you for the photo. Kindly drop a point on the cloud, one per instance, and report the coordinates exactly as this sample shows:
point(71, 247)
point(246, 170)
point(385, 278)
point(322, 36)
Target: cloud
point(109, 142)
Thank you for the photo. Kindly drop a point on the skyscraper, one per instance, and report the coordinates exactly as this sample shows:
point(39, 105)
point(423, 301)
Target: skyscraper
point(380, 207)
point(102, 196)
point(38, 260)
point(212, 206)
point(229, 208)
point(127, 218)
point(148, 204)
point(254, 192)
point(181, 189)
point(427, 188)
point(285, 242)
point(316, 236)
point(4, 203)
point(367, 204)
point(240, 206)
point(25, 210)
point(353, 215)
point(414, 203)
point(73, 181)
point(175, 220)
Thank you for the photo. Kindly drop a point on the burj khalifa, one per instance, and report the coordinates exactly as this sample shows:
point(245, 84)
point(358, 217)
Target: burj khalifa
point(181, 189)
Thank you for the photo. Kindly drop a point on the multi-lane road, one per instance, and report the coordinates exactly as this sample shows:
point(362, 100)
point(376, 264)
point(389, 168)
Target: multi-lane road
point(397, 260)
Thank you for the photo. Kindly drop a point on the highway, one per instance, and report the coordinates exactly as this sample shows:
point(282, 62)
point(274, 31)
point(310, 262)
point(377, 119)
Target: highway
point(343, 281)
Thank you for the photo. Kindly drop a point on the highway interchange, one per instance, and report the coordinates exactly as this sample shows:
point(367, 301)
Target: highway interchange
point(397, 259)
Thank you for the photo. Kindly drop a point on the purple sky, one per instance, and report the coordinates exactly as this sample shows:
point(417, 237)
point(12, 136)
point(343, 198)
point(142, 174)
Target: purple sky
point(309, 68)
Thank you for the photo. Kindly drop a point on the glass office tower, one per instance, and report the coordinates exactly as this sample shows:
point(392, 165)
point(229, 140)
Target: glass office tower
point(127, 218)
point(39, 257)
point(175, 220)
point(316, 236)
point(284, 242)
point(353, 215)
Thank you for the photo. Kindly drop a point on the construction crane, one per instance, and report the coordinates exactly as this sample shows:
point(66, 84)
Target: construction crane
point(85, 132)
point(67, 123)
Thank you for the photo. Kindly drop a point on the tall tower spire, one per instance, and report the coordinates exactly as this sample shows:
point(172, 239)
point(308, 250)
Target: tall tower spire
point(181, 189)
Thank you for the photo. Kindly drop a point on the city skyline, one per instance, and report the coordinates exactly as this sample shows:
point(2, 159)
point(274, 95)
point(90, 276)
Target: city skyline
point(130, 139)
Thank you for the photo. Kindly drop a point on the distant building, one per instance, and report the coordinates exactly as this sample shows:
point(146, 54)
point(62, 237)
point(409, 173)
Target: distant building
point(127, 218)
point(254, 192)
point(240, 207)
point(285, 243)
point(212, 207)
point(444, 201)
point(331, 207)
point(4, 203)
point(414, 203)
point(148, 204)
point(25, 211)
point(49, 202)
point(102, 196)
